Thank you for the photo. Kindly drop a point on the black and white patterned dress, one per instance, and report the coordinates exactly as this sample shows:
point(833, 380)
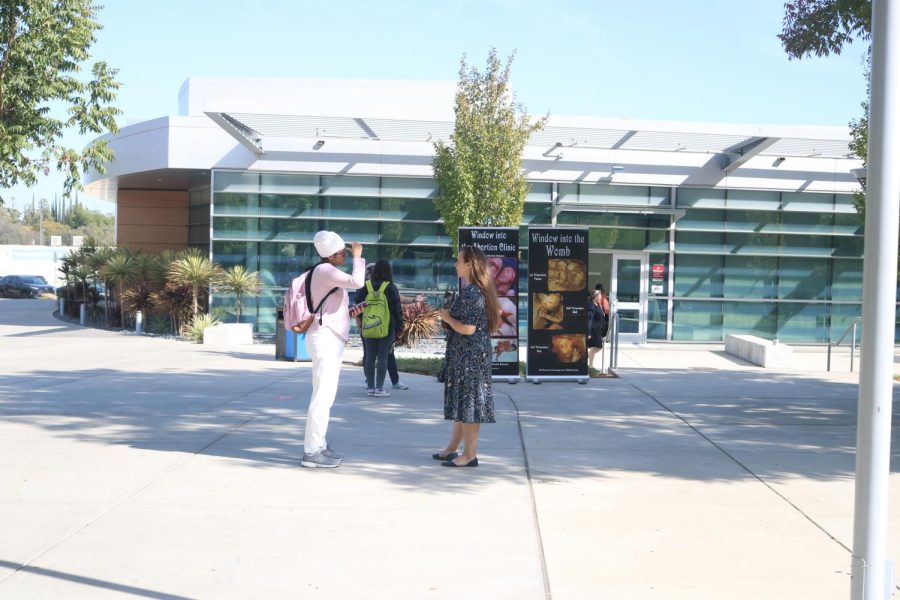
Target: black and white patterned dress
point(468, 395)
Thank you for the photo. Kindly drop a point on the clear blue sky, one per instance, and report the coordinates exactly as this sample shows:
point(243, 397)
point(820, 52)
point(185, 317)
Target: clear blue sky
point(692, 60)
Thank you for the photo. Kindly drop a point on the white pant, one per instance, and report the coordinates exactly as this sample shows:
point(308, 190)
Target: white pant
point(326, 349)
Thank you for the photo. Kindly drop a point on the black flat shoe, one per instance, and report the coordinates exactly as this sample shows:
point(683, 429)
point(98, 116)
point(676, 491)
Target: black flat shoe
point(451, 456)
point(450, 463)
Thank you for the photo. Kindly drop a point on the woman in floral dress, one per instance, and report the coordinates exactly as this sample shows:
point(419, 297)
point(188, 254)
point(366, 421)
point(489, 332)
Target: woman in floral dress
point(468, 395)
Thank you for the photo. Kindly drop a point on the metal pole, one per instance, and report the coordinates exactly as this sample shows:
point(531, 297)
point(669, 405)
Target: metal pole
point(81, 314)
point(138, 322)
point(852, 345)
point(829, 357)
point(871, 574)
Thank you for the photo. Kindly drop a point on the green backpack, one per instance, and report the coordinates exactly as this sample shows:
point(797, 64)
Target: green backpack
point(376, 317)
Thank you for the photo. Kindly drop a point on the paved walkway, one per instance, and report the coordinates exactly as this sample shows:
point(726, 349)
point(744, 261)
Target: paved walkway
point(147, 468)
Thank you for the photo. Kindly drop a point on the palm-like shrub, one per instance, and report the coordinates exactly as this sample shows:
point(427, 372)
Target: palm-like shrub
point(175, 301)
point(420, 321)
point(192, 268)
point(118, 270)
point(138, 298)
point(194, 331)
point(239, 281)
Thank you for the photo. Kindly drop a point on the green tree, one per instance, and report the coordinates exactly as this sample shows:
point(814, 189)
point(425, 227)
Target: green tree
point(239, 281)
point(821, 28)
point(119, 271)
point(479, 173)
point(44, 45)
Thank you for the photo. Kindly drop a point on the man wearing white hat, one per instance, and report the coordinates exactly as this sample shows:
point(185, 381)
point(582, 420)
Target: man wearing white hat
point(326, 338)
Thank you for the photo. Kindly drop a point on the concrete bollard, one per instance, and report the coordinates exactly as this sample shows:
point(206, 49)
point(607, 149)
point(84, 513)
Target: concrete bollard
point(62, 307)
point(138, 322)
point(81, 314)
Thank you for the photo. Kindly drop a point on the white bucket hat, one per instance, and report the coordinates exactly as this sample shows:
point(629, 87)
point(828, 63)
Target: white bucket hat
point(327, 243)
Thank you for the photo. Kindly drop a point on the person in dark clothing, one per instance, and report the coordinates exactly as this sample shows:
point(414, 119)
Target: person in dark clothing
point(378, 350)
point(596, 325)
point(359, 297)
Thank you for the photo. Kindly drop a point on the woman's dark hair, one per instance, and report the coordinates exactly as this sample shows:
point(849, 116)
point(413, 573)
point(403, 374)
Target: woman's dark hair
point(599, 288)
point(382, 271)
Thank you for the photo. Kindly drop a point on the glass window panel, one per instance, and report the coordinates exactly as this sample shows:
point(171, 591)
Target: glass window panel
point(803, 279)
point(538, 192)
point(751, 243)
point(292, 184)
point(280, 262)
point(657, 314)
point(568, 192)
point(288, 205)
point(750, 276)
point(235, 182)
point(537, 214)
point(659, 196)
point(802, 322)
point(230, 254)
point(848, 246)
point(807, 245)
point(752, 221)
point(351, 208)
point(848, 224)
point(198, 197)
point(294, 230)
point(753, 318)
point(753, 200)
point(409, 187)
point(235, 204)
point(847, 280)
point(699, 276)
point(696, 321)
point(699, 241)
point(412, 233)
point(601, 193)
point(627, 239)
point(198, 234)
point(843, 203)
point(808, 223)
point(418, 269)
point(700, 198)
point(659, 259)
point(235, 228)
point(365, 232)
point(842, 315)
point(807, 202)
point(348, 185)
point(198, 214)
point(702, 219)
point(406, 209)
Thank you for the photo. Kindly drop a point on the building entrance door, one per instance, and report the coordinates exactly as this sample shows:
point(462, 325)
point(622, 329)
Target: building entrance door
point(628, 295)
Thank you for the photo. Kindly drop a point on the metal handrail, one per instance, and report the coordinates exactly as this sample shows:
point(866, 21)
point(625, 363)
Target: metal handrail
point(613, 336)
point(851, 327)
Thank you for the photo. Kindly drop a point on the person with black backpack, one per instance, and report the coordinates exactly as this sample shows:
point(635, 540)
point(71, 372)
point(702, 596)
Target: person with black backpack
point(598, 325)
point(382, 320)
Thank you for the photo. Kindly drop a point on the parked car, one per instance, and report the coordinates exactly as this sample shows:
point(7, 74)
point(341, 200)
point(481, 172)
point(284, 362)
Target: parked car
point(24, 286)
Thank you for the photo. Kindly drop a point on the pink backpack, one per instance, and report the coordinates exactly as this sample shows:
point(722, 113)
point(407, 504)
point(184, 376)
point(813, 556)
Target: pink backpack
point(298, 305)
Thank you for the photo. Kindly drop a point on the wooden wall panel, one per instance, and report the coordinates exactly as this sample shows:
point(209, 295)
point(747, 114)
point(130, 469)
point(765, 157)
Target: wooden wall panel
point(151, 220)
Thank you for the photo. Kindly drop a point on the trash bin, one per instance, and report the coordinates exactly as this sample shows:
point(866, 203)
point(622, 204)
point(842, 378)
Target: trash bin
point(289, 345)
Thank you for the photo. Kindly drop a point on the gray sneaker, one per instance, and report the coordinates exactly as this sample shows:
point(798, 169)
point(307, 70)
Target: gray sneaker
point(319, 460)
point(400, 386)
point(332, 454)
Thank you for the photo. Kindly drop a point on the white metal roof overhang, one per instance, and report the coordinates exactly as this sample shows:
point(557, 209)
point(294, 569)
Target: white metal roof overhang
point(253, 130)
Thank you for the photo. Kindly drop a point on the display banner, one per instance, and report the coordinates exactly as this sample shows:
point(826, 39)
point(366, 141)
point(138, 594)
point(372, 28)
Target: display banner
point(557, 303)
point(501, 247)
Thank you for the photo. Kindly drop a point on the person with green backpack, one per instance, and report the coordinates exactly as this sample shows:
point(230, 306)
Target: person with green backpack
point(382, 320)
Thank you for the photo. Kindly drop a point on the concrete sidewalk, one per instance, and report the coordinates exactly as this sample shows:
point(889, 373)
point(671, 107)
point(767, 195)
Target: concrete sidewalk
point(143, 467)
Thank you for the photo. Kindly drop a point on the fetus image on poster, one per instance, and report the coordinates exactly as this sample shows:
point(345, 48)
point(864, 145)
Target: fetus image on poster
point(503, 272)
point(508, 323)
point(548, 311)
point(568, 348)
point(505, 350)
point(566, 275)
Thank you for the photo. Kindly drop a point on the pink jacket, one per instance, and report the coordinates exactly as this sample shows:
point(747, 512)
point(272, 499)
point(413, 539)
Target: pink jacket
point(335, 315)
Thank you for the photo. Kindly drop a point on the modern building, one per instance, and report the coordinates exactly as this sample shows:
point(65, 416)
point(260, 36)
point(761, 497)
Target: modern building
point(697, 230)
